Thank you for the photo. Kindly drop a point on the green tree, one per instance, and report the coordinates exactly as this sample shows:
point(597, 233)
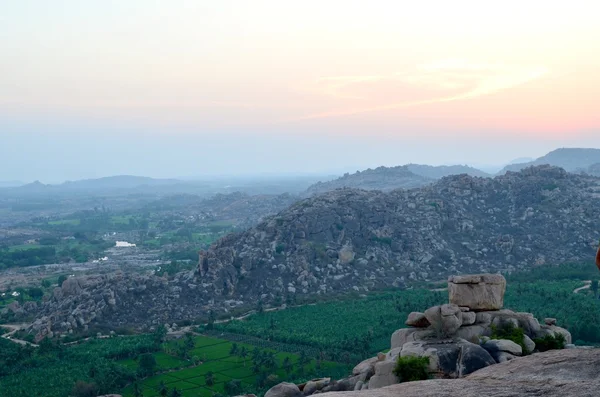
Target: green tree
point(175, 393)
point(137, 392)
point(209, 378)
point(287, 365)
point(233, 387)
point(84, 389)
point(146, 364)
point(244, 354)
point(162, 389)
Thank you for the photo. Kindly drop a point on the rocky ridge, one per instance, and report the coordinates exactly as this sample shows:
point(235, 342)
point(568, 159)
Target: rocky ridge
point(380, 178)
point(364, 240)
point(390, 178)
point(350, 240)
point(570, 159)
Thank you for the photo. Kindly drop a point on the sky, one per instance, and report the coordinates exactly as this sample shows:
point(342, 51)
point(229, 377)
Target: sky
point(184, 88)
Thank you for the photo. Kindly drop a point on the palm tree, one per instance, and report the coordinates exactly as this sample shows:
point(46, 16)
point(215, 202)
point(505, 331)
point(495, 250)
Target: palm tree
point(244, 354)
point(209, 379)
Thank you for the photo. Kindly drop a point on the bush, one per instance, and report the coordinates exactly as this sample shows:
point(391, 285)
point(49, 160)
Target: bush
point(550, 342)
point(510, 332)
point(409, 369)
point(84, 389)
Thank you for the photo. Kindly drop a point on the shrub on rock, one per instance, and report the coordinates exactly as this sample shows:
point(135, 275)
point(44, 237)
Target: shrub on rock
point(411, 368)
point(550, 342)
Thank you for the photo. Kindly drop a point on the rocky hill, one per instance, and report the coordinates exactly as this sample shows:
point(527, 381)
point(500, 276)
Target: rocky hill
point(571, 159)
point(389, 178)
point(380, 178)
point(593, 169)
point(241, 209)
point(363, 240)
point(354, 240)
point(438, 172)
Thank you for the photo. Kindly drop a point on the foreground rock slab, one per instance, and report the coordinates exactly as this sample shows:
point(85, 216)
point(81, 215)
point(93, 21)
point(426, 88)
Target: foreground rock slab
point(555, 373)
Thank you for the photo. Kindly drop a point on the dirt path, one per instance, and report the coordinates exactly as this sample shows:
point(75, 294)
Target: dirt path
point(587, 285)
point(15, 328)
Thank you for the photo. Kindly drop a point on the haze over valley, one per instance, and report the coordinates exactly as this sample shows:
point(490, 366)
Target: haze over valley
point(288, 199)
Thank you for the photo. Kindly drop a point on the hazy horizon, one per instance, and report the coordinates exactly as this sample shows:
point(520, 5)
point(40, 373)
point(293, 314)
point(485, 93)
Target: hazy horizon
point(186, 88)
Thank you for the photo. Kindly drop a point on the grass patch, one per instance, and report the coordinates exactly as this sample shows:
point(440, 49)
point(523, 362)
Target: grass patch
point(510, 332)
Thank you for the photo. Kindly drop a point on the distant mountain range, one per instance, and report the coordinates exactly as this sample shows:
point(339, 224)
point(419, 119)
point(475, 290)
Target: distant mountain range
point(10, 184)
point(576, 160)
point(570, 159)
point(389, 178)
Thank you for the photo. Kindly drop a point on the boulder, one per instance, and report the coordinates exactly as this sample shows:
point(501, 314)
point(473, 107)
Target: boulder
point(468, 318)
point(502, 357)
point(503, 345)
point(417, 319)
point(359, 385)
point(365, 367)
point(384, 375)
point(555, 330)
point(453, 360)
point(550, 321)
point(472, 333)
point(71, 287)
point(477, 292)
point(529, 344)
point(348, 384)
point(445, 320)
point(403, 335)
point(309, 388)
point(284, 389)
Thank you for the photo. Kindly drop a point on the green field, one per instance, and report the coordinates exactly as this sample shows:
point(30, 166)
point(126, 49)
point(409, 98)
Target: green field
point(72, 222)
point(23, 247)
point(215, 357)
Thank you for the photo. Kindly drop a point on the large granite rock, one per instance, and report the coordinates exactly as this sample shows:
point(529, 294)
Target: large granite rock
point(445, 320)
point(557, 373)
point(451, 359)
point(477, 291)
point(384, 375)
point(403, 335)
point(284, 390)
point(417, 319)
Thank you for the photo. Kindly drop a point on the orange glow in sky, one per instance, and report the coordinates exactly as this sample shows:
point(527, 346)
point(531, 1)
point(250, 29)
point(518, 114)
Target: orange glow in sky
point(514, 65)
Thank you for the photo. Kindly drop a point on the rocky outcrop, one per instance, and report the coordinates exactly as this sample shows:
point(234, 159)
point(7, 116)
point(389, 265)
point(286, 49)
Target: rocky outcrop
point(454, 339)
point(477, 292)
point(555, 373)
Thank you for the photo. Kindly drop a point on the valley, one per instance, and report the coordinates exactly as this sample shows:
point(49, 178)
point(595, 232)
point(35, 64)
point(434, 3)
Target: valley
point(178, 280)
